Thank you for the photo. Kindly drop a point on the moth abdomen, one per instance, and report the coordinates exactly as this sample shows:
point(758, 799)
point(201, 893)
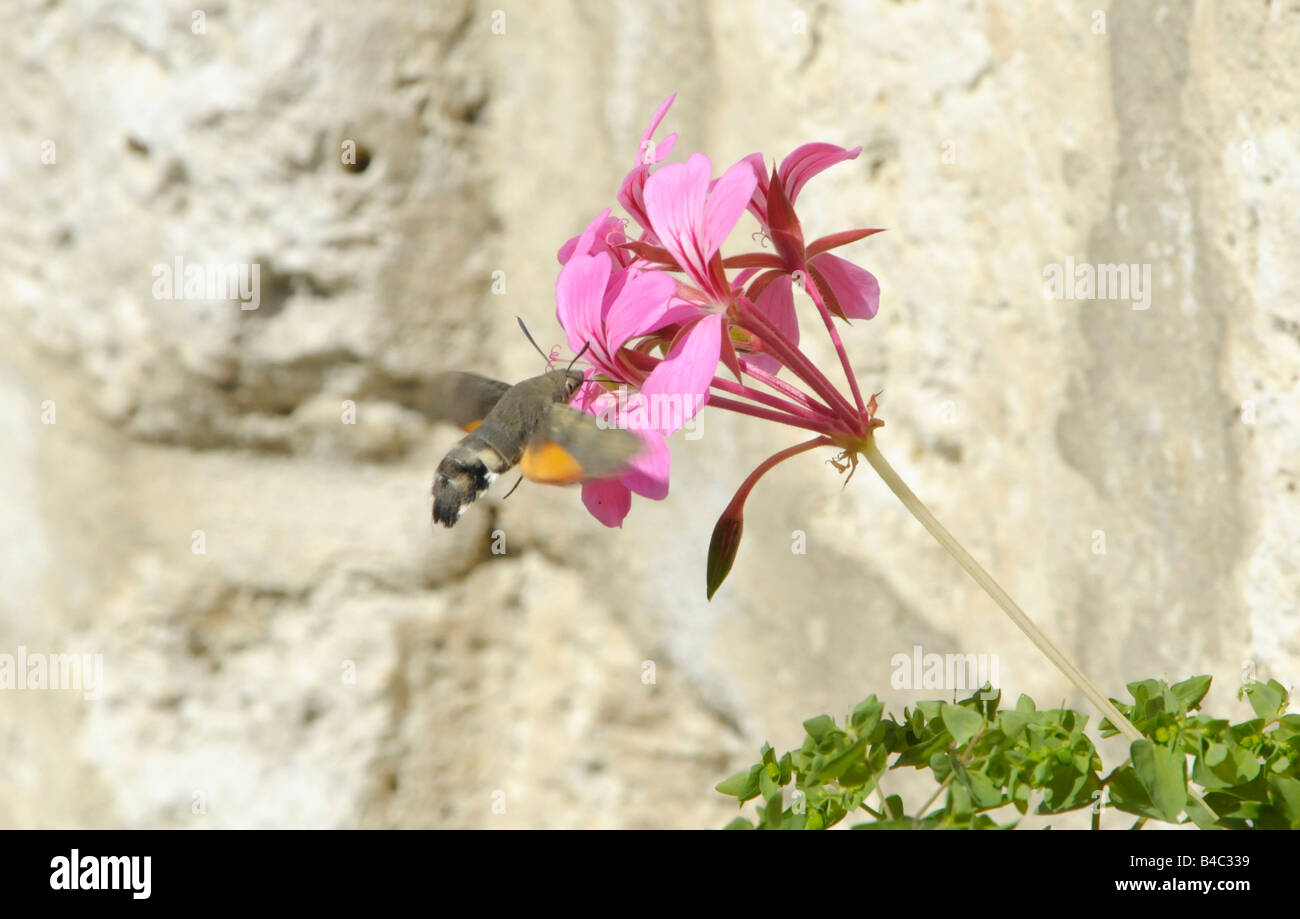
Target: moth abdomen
point(463, 475)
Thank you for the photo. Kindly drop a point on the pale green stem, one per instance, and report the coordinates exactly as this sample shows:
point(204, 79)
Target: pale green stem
point(1001, 597)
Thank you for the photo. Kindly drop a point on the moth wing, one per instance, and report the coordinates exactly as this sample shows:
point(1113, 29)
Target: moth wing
point(571, 446)
point(464, 399)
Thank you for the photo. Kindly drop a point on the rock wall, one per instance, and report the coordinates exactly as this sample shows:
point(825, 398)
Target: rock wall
point(285, 641)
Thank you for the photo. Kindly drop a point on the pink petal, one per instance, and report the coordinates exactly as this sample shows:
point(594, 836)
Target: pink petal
point(857, 289)
point(648, 475)
point(597, 237)
point(581, 244)
point(674, 202)
point(776, 303)
point(608, 500)
point(728, 200)
point(660, 151)
point(763, 180)
point(580, 297)
point(642, 306)
point(655, 120)
point(805, 162)
point(835, 240)
point(631, 194)
point(686, 373)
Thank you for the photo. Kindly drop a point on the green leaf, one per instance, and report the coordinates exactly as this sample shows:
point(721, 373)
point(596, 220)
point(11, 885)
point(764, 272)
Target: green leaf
point(1200, 816)
point(1067, 789)
point(1216, 754)
point(740, 823)
point(1142, 693)
point(1128, 794)
point(819, 727)
point(1288, 727)
point(961, 803)
point(773, 810)
point(742, 785)
point(962, 723)
point(838, 765)
point(930, 710)
point(866, 715)
point(1163, 773)
point(941, 764)
point(1191, 691)
point(1020, 797)
point(1286, 792)
point(1266, 699)
point(982, 790)
point(1013, 723)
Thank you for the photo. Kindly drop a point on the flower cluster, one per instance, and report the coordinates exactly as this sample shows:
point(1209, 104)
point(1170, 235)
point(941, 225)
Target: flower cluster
point(663, 314)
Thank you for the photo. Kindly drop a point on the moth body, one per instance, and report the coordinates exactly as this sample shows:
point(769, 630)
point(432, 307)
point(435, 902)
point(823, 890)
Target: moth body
point(500, 440)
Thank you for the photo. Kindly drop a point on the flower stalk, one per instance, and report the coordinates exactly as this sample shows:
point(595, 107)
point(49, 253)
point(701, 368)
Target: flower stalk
point(991, 587)
point(1009, 606)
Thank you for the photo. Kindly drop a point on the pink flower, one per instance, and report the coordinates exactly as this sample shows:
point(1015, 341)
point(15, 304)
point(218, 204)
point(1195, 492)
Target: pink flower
point(609, 500)
point(604, 234)
point(626, 301)
point(632, 193)
point(795, 170)
point(602, 307)
point(692, 216)
point(849, 292)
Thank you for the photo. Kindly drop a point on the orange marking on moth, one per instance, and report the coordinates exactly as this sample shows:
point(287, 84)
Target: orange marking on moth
point(469, 428)
point(551, 464)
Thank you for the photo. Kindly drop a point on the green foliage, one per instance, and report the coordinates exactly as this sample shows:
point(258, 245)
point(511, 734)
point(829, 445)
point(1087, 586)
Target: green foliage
point(991, 765)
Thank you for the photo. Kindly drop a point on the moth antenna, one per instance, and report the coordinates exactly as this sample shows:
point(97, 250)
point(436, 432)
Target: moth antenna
point(578, 355)
point(529, 336)
point(513, 487)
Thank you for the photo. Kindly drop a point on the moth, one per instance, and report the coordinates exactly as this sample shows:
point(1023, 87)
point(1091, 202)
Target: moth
point(529, 425)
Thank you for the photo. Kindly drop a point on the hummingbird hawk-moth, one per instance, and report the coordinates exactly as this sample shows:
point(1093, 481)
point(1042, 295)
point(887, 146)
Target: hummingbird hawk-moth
point(528, 424)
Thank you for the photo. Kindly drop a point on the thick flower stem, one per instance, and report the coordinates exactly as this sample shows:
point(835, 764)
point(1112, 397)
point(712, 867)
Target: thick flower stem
point(994, 590)
point(1003, 599)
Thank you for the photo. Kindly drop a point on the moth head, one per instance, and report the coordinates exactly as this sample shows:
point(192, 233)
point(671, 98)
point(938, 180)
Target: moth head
point(572, 380)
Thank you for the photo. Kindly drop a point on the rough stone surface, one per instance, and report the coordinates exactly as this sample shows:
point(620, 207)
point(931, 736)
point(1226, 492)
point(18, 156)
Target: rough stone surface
point(327, 660)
